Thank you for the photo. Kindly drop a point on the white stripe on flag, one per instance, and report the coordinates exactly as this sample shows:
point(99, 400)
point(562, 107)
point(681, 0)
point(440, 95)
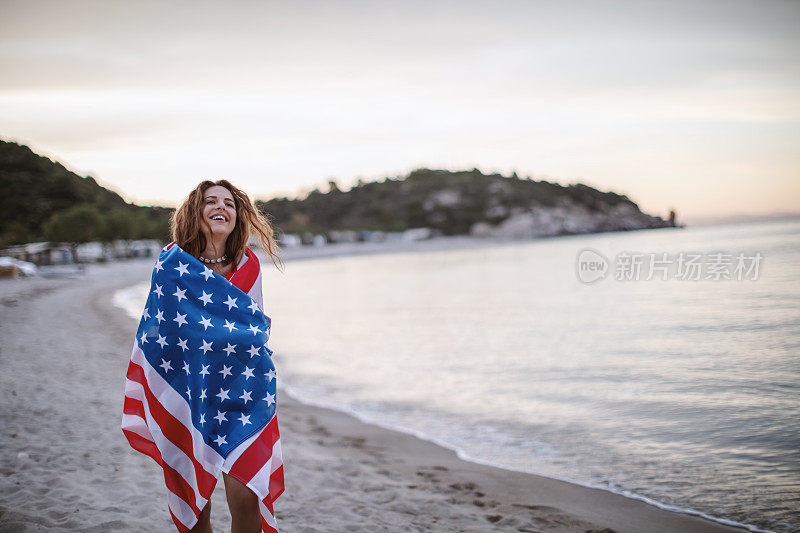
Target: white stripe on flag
point(267, 516)
point(179, 408)
point(261, 480)
point(136, 424)
point(175, 457)
point(255, 292)
point(181, 510)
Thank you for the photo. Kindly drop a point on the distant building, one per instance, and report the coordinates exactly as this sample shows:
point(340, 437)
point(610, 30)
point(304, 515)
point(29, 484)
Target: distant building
point(40, 253)
point(343, 236)
point(90, 252)
point(314, 239)
point(144, 248)
point(56, 253)
point(124, 249)
point(417, 234)
point(290, 240)
point(371, 236)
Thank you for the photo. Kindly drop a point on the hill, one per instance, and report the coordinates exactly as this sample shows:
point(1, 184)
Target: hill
point(42, 200)
point(457, 203)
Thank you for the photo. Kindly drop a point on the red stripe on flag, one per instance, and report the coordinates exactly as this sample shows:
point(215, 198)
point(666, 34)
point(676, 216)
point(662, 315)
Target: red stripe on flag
point(132, 406)
point(252, 459)
point(247, 275)
point(173, 430)
point(276, 483)
point(266, 528)
point(143, 445)
point(175, 482)
point(178, 523)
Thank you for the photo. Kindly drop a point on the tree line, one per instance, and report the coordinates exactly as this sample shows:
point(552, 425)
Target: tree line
point(41, 200)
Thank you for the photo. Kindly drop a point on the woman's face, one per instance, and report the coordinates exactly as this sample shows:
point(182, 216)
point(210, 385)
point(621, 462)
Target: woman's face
point(219, 212)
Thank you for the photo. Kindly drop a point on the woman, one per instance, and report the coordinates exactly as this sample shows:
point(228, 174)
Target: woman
point(213, 225)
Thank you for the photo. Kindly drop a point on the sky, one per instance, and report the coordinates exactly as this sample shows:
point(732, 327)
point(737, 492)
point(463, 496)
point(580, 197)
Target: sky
point(693, 106)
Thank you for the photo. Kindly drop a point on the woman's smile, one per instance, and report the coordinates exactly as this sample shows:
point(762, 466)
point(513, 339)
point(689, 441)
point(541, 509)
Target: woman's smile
point(220, 210)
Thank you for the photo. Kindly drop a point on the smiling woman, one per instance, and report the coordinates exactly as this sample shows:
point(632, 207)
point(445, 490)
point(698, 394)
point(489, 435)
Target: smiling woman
point(214, 224)
point(210, 231)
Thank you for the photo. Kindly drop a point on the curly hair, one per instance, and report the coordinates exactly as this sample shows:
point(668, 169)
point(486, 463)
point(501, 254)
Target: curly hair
point(185, 225)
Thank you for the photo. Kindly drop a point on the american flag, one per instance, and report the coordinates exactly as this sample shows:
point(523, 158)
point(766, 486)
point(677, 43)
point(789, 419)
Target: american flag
point(200, 393)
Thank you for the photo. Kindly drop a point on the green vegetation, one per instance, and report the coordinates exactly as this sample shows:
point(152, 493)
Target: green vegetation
point(439, 199)
point(42, 200)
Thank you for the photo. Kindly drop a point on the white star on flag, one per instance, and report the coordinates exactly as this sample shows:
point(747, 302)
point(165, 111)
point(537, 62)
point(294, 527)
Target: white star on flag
point(160, 316)
point(166, 365)
point(206, 322)
point(145, 314)
point(246, 396)
point(223, 394)
point(203, 394)
point(221, 417)
point(157, 290)
point(253, 306)
point(180, 294)
point(182, 269)
point(226, 371)
point(206, 298)
point(202, 420)
point(245, 419)
point(180, 319)
point(247, 373)
point(270, 375)
point(254, 329)
point(186, 367)
point(220, 440)
point(270, 399)
point(230, 326)
point(206, 347)
point(230, 349)
point(144, 338)
point(231, 303)
point(182, 344)
point(204, 371)
point(162, 341)
point(207, 272)
point(253, 351)
point(158, 266)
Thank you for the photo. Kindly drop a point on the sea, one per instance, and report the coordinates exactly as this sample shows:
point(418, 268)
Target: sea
point(662, 364)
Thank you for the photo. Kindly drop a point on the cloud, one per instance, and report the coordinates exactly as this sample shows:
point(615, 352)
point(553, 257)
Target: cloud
point(154, 94)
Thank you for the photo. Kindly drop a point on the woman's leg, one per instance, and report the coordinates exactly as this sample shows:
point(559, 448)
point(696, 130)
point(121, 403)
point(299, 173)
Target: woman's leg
point(203, 524)
point(243, 503)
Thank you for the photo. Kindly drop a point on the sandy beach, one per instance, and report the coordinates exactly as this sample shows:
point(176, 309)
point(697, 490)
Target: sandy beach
point(66, 466)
